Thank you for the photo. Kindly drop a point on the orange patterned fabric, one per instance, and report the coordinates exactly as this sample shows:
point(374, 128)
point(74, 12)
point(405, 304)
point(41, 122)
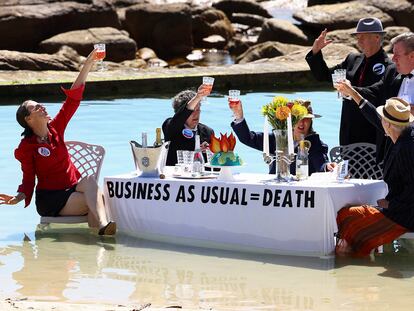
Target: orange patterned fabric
point(365, 228)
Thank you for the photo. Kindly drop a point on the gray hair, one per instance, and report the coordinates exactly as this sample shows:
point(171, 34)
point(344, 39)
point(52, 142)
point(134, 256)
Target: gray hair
point(181, 99)
point(407, 38)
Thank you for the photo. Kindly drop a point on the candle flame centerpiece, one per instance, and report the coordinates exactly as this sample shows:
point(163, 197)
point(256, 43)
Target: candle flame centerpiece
point(223, 149)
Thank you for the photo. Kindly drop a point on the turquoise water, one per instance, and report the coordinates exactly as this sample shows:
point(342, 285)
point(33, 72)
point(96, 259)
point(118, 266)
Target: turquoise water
point(73, 265)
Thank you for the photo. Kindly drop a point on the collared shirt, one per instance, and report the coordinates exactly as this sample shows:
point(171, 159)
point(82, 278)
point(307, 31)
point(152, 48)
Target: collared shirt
point(406, 91)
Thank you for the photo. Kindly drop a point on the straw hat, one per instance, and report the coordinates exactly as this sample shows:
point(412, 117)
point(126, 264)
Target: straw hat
point(369, 25)
point(396, 111)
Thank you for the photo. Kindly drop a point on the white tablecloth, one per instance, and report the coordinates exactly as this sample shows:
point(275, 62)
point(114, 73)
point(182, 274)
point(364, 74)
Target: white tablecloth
point(251, 214)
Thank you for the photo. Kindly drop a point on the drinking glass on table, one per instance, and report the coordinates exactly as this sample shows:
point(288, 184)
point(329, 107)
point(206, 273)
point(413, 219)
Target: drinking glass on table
point(100, 55)
point(234, 98)
point(209, 81)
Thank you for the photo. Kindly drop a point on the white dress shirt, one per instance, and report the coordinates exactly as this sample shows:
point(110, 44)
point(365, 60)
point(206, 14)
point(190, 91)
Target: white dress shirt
point(406, 91)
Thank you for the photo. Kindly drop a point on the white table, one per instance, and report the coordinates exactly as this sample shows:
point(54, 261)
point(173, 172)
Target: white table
point(252, 214)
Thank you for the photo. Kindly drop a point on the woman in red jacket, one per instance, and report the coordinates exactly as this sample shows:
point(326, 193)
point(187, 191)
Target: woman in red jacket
point(43, 155)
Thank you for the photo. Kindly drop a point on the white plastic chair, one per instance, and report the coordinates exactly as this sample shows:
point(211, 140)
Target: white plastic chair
point(88, 160)
point(361, 160)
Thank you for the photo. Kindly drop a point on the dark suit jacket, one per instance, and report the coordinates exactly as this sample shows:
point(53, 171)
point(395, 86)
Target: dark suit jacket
point(399, 176)
point(398, 172)
point(377, 94)
point(353, 127)
point(317, 152)
point(173, 132)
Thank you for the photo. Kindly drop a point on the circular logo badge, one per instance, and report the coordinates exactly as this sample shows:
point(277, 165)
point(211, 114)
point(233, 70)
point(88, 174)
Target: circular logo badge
point(145, 161)
point(43, 151)
point(187, 133)
point(378, 69)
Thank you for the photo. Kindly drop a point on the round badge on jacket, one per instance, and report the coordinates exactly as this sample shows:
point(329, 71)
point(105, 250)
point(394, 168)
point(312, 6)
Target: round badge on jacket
point(187, 133)
point(43, 151)
point(378, 69)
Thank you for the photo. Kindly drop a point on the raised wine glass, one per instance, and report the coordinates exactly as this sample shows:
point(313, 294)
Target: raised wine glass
point(100, 55)
point(234, 99)
point(209, 81)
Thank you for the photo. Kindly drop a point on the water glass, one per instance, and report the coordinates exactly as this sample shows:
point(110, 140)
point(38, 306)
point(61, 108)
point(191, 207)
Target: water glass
point(339, 75)
point(100, 55)
point(209, 81)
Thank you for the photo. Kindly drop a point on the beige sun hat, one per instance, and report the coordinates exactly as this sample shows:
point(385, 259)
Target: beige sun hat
point(396, 111)
point(308, 106)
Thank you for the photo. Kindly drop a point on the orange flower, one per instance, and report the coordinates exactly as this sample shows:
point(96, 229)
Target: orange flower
point(282, 112)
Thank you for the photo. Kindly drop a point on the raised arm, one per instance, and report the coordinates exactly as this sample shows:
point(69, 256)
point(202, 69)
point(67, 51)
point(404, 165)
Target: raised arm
point(83, 74)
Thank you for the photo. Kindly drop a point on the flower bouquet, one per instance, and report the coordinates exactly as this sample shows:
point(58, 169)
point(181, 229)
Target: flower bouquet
point(279, 109)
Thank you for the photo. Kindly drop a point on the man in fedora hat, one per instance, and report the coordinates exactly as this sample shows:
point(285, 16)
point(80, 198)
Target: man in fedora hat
point(363, 228)
point(362, 69)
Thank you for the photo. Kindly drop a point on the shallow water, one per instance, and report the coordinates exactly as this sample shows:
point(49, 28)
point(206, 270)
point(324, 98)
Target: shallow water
point(68, 263)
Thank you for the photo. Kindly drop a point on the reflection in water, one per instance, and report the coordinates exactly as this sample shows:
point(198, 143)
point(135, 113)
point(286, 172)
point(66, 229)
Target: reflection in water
point(71, 264)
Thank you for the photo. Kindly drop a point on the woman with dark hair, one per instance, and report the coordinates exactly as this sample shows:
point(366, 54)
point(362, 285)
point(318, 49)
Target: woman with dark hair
point(318, 159)
point(43, 156)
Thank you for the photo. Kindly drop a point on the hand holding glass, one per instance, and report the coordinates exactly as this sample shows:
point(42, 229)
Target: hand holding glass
point(100, 55)
point(339, 75)
point(208, 81)
point(234, 99)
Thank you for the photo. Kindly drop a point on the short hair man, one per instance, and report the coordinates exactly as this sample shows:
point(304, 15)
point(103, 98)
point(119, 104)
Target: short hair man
point(362, 69)
point(184, 125)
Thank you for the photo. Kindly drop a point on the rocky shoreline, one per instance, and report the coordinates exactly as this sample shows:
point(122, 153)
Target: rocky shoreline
point(151, 45)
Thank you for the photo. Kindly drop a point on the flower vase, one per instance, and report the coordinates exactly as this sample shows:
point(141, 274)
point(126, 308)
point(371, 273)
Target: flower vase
point(282, 155)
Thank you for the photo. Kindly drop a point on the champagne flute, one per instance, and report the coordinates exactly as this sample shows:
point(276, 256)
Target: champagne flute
point(234, 99)
point(100, 55)
point(208, 81)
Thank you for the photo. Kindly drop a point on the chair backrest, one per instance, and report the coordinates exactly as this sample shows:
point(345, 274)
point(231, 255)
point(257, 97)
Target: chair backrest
point(361, 160)
point(86, 157)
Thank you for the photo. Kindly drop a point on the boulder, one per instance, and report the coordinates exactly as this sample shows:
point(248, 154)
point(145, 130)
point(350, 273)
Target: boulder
point(119, 46)
point(247, 19)
point(14, 60)
point(268, 49)
point(241, 6)
point(214, 42)
point(316, 2)
point(282, 31)
point(167, 29)
point(146, 54)
point(30, 24)
point(210, 22)
point(339, 16)
point(333, 54)
point(402, 11)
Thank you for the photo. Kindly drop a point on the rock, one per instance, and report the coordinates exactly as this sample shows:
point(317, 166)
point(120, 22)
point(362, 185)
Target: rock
point(33, 61)
point(282, 31)
point(167, 29)
point(156, 62)
point(136, 63)
point(210, 22)
point(146, 54)
point(30, 24)
point(316, 2)
point(392, 32)
point(119, 46)
point(239, 45)
point(247, 19)
point(402, 11)
point(339, 16)
point(214, 41)
point(267, 50)
point(241, 6)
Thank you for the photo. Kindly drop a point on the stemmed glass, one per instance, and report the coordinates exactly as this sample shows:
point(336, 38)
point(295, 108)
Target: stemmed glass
point(234, 99)
point(209, 81)
point(100, 55)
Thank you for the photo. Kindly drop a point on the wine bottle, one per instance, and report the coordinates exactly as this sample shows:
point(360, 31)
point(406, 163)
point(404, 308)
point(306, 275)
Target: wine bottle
point(158, 140)
point(198, 163)
point(144, 140)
